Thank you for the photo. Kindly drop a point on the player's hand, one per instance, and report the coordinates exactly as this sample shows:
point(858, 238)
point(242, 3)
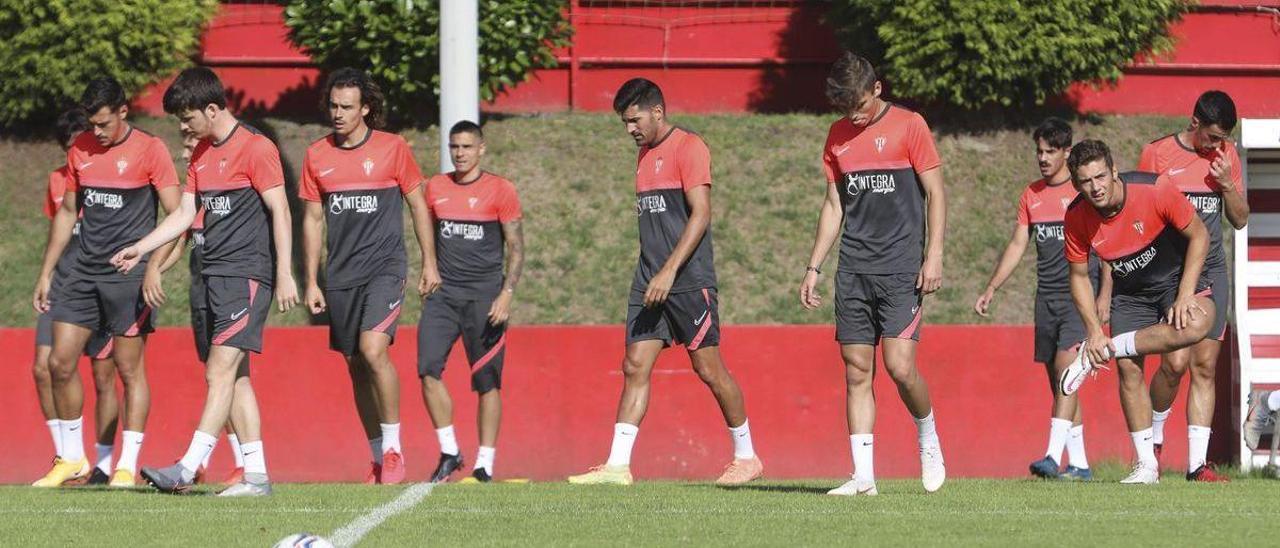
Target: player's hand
point(930, 278)
point(315, 299)
point(40, 299)
point(429, 281)
point(1220, 170)
point(286, 292)
point(659, 288)
point(500, 310)
point(127, 258)
point(1099, 349)
point(153, 288)
point(1184, 310)
point(1104, 310)
point(984, 302)
point(809, 296)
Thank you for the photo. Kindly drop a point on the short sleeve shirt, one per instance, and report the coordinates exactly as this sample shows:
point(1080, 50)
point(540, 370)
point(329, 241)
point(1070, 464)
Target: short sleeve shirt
point(1189, 171)
point(678, 163)
point(228, 178)
point(1042, 210)
point(116, 188)
point(1143, 242)
point(57, 192)
point(361, 189)
point(877, 168)
point(469, 240)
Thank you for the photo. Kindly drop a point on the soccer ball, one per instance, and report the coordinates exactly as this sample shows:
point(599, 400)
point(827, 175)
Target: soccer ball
point(303, 540)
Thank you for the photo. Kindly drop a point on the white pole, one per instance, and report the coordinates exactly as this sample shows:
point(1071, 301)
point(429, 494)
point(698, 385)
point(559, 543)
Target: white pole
point(459, 69)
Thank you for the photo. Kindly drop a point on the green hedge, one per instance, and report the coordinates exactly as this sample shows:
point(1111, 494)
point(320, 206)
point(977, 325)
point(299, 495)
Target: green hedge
point(50, 48)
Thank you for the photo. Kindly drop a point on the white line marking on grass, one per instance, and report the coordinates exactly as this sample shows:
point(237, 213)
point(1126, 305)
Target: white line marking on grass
point(351, 533)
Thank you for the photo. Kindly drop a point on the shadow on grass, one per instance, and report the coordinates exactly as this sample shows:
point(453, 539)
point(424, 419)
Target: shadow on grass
point(766, 488)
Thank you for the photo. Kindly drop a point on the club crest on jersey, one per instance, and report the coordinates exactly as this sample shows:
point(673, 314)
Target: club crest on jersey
point(368, 166)
point(471, 202)
point(222, 165)
point(1137, 225)
point(880, 142)
point(1066, 202)
point(121, 165)
point(657, 166)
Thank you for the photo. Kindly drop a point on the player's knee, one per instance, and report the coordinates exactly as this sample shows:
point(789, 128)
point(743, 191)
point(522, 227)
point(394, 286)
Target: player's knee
point(431, 384)
point(1175, 365)
point(104, 379)
point(373, 353)
point(632, 368)
point(1204, 369)
point(40, 372)
point(61, 368)
point(902, 372)
point(1129, 371)
point(708, 370)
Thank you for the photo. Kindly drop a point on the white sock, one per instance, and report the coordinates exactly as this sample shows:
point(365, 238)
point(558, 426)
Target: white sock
point(862, 446)
point(72, 434)
point(255, 459)
point(1144, 447)
point(448, 441)
point(205, 463)
point(1158, 419)
point(1197, 446)
point(1075, 447)
point(234, 442)
point(375, 448)
point(55, 432)
point(484, 459)
point(1273, 400)
point(201, 445)
point(624, 438)
point(742, 448)
point(927, 431)
point(1059, 431)
point(103, 457)
point(390, 437)
point(130, 446)
point(1126, 344)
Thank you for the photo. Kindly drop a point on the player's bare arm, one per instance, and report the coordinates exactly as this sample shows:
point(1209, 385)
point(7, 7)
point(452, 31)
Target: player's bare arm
point(513, 234)
point(1186, 308)
point(1008, 263)
point(429, 274)
point(1104, 294)
point(312, 241)
point(169, 229)
point(1097, 344)
point(930, 279)
point(828, 230)
point(282, 236)
point(699, 200)
point(64, 221)
point(1234, 205)
point(153, 280)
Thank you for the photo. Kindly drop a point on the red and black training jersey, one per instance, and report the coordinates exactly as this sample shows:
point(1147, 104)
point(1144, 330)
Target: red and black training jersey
point(228, 177)
point(1042, 210)
point(877, 168)
point(57, 192)
point(361, 189)
point(469, 240)
point(1189, 171)
point(116, 191)
point(664, 172)
point(1143, 242)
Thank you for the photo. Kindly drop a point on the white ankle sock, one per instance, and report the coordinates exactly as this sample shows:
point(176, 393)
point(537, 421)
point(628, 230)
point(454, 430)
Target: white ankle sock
point(1144, 447)
point(484, 459)
point(1158, 419)
point(1075, 447)
point(201, 445)
point(927, 431)
point(1126, 344)
point(862, 446)
point(1059, 431)
point(1197, 446)
point(741, 435)
point(390, 437)
point(255, 458)
point(375, 449)
point(624, 438)
point(103, 457)
point(130, 446)
point(72, 434)
point(55, 432)
point(448, 441)
point(234, 442)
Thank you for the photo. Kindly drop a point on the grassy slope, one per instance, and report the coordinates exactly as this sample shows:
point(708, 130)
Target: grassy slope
point(574, 172)
point(965, 512)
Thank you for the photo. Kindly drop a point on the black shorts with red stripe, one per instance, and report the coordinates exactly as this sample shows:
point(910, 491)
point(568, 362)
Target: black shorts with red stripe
point(1134, 312)
point(872, 306)
point(236, 312)
point(100, 343)
point(449, 314)
point(374, 306)
point(691, 318)
point(114, 307)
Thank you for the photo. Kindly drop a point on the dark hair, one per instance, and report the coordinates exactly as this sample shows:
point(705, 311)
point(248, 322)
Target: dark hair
point(194, 89)
point(1088, 151)
point(467, 126)
point(370, 93)
point(102, 92)
point(1054, 131)
point(851, 77)
point(70, 123)
point(640, 92)
point(1216, 108)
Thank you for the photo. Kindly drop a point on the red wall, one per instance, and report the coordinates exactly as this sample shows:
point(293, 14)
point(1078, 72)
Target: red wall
point(561, 389)
point(745, 57)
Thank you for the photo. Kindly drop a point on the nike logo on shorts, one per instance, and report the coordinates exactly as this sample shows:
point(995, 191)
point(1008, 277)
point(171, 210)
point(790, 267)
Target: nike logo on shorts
point(237, 315)
point(393, 305)
point(702, 317)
